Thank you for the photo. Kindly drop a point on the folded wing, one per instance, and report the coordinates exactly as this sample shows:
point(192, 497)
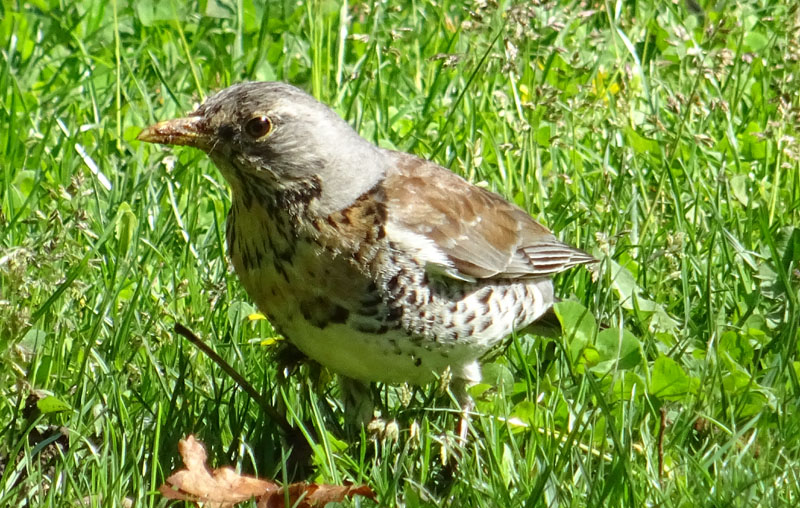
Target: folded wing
point(466, 232)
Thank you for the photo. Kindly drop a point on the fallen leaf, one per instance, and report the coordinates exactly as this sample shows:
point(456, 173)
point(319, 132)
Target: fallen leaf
point(225, 488)
point(312, 495)
point(220, 488)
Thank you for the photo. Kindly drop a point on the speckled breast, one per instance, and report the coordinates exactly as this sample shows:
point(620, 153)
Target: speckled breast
point(367, 310)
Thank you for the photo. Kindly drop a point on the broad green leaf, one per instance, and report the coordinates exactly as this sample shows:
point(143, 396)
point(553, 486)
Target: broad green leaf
point(240, 311)
point(753, 144)
point(617, 348)
point(631, 298)
point(52, 404)
point(739, 188)
point(24, 182)
point(755, 41)
point(151, 12)
point(220, 9)
point(33, 340)
point(641, 144)
point(629, 386)
point(543, 135)
point(498, 375)
point(668, 380)
point(737, 347)
point(526, 412)
point(578, 325)
point(736, 380)
point(752, 403)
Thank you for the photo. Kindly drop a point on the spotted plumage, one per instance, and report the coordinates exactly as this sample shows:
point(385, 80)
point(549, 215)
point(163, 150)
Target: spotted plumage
point(377, 264)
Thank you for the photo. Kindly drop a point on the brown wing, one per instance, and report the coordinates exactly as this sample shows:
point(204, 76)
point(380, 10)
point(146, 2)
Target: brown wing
point(480, 233)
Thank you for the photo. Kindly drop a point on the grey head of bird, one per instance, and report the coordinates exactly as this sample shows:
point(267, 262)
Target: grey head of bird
point(276, 136)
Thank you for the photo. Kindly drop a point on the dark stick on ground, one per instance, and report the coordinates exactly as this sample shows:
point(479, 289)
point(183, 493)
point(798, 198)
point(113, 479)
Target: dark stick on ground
point(271, 412)
point(294, 437)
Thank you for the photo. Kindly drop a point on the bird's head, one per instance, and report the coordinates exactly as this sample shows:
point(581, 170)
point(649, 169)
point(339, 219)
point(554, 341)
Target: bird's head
point(277, 136)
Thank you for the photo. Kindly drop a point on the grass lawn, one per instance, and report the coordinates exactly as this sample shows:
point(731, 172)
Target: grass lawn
point(662, 137)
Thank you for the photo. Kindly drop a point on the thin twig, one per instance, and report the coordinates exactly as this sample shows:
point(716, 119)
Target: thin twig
point(278, 418)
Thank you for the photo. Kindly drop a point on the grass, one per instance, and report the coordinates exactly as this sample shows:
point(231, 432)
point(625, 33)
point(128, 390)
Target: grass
point(662, 137)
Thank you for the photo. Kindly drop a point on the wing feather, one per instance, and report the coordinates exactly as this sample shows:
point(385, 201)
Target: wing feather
point(473, 233)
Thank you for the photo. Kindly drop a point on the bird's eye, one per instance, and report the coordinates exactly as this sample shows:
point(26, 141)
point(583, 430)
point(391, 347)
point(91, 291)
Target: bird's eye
point(258, 126)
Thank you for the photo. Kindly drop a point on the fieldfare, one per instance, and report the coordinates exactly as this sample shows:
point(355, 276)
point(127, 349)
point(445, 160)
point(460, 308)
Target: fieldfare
point(377, 264)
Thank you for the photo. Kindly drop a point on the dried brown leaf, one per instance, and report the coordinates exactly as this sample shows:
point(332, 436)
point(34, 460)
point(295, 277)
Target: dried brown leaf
point(225, 488)
point(220, 488)
point(313, 495)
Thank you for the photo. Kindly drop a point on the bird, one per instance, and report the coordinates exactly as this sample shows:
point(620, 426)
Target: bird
point(377, 264)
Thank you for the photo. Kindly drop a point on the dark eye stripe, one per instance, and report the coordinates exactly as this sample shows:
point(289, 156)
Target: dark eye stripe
point(226, 132)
